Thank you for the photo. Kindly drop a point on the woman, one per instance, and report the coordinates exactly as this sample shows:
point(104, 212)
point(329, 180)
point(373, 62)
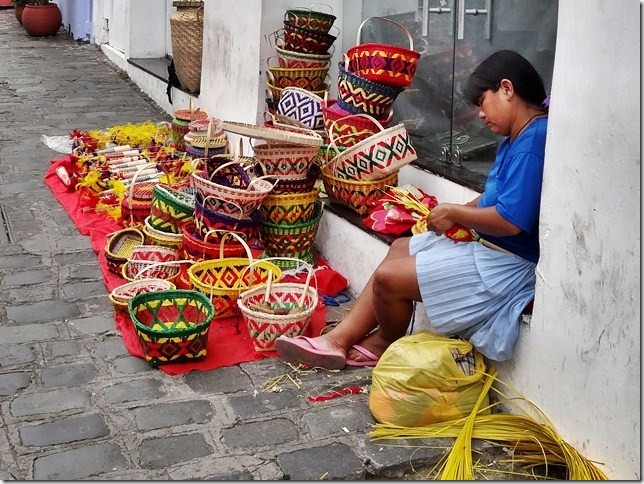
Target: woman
point(468, 289)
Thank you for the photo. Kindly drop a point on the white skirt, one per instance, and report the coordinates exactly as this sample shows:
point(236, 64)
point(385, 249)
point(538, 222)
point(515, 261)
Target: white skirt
point(473, 291)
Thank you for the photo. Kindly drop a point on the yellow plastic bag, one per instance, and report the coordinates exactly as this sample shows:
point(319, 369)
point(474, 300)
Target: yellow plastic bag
point(425, 378)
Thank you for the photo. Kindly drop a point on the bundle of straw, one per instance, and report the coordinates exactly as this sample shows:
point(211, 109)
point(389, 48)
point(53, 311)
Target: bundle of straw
point(533, 443)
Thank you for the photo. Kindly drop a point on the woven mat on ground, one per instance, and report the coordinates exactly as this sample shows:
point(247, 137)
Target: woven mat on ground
point(226, 344)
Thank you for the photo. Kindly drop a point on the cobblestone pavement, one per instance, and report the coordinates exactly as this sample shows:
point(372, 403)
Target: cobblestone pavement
point(73, 403)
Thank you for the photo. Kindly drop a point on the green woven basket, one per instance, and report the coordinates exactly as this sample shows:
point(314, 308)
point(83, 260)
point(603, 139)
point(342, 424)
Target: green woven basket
point(170, 209)
point(172, 325)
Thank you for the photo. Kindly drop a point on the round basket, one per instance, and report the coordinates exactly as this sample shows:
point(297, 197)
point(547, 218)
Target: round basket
point(298, 185)
point(178, 130)
point(172, 325)
point(284, 160)
point(362, 96)
point(359, 196)
point(293, 59)
point(206, 220)
point(383, 63)
point(190, 114)
point(346, 127)
point(222, 280)
point(327, 152)
point(290, 208)
point(265, 328)
point(135, 207)
point(159, 238)
point(247, 198)
point(151, 262)
point(119, 247)
point(305, 40)
point(207, 248)
point(291, 241)
point(195, 152)
point(170, 209)
point(310, 78)
point(376, 156)
point(121, 295)
point(302, 106)
point(276, 92)
point(310, 19)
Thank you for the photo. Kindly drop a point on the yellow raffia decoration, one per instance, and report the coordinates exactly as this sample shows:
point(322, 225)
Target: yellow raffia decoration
point(407, 199)
point(533, 443)
point(135, 135)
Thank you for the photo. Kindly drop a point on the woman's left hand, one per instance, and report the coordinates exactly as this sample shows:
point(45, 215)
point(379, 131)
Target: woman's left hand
point(439, 219)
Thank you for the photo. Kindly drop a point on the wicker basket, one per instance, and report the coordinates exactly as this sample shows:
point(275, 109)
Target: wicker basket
point(311, 19)
point(310, 78)
point(172, 325)
point(359, 196)
point(207, 220)
point(121, 295)
point(222, 280)
point(151, 262)
point(293, 59)
point(290, 208)
point(119, 247)
point(347, 128)
point(207, 248)
point(305, 40)
point(170, 209)
point(186, 26)
point(157, 237)
point(265, 328)
point(285, 160)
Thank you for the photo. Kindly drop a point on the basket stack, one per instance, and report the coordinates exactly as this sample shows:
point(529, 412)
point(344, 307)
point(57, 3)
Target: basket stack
point(364, 153)
point(205, 138)
point(298, 83)
point(180, 125)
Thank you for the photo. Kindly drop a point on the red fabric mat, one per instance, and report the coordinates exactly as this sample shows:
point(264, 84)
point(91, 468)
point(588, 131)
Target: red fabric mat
point(228, 340)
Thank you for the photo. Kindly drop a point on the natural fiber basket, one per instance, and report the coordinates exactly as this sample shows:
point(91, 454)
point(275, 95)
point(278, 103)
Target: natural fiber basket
point(121, 295)
point(311, 19)
point(375, 157)
point(135, 207)
point(357, 195)
point(172, 325)
point(151, 262)
point(305, 40)
point(157, 237)
point(298, 185)
point(302, 106)
point(207, 219)
point(186, 26)
point(222, 280)
point(291, 241)
point(346, 127)
point(362, 96)
point(275, 92)
point(290, 208)
point(208, 248)
point(310, 78)
point(265, 328)
point(119, 247)
point(284, 160)
point(383, 63)
point(293, 59)
point(170, 209)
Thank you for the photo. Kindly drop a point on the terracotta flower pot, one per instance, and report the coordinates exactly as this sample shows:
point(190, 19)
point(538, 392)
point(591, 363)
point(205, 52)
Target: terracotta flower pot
point(18, 11)
point(41, 20)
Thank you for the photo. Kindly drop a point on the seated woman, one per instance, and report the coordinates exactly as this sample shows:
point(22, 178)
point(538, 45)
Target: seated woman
point(468, 289)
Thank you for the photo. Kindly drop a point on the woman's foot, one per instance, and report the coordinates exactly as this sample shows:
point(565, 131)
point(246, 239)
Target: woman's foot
point(318, 352)
point(368, 351)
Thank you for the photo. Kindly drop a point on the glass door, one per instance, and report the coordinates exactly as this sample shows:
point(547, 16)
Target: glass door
point(453, 37)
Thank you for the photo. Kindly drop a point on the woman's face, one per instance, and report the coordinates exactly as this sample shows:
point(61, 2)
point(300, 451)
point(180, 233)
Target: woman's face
point(494, 110)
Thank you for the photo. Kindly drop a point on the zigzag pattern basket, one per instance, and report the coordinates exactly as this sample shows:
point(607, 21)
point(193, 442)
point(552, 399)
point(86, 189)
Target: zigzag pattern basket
point(293, 59)
point(196, 248)
point(121, 295)
point(291, 241)
point(376, 156)
point(290, 209)
point(284, 160)
point(303, 106)
point(310, 19)
point(264, 328)
point(362, 96)
point(172, 325)
point(206, 220)
point(170, 209)
point(359, 196)
point(160, 238)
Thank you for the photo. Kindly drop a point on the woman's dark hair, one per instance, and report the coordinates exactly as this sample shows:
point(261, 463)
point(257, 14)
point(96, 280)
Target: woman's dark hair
point(505, 64)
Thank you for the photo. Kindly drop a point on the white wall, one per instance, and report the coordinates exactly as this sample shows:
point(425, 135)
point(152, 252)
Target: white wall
point(579, 360)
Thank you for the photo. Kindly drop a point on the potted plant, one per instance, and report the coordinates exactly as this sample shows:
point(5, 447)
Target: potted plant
point(18, 7)
point(41, 18)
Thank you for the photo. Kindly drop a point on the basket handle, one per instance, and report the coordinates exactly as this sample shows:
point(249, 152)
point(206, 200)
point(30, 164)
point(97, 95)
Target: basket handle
point(322, 4)
point(139, 275)
point(332, 139)
point(212, 231)
point(229, 233)
point(131, 191)
point(409, 37)
point(237, 206)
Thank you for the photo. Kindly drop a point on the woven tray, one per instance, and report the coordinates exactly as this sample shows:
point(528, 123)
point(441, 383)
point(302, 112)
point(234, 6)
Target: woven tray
point(272, 134)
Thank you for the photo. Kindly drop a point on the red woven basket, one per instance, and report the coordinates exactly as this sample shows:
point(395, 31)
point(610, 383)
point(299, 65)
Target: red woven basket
point(384, 63)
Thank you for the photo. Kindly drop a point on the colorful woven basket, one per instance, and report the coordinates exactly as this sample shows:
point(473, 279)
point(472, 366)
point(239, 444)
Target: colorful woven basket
point(222, 280)
point(285, 160)
point(290, 208)
point(303, 106)
point(299, 185)
point(362, 96)
point(310, 19)
point(347, 128)
point(206, 220)
point(119, 247)
point(172, 325)
point(160, 238)
point(327, 152)
point(359, 196)
point(170, 209)
point(293, 59)
point(265, 328)
point(291, 241)
point(275, 92)
point(207, 248)
point(384, 63)
point(310, 78)
point(376, 156)
point(135, 207)
point(151, 262)
point(305, 40)
point(121, 295)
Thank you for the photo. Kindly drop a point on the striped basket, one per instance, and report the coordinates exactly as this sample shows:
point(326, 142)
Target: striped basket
point(290, 209)
point(293, 59)
point(291, 241)
point(196, 248)
point(284, 160)
point(157, 237)
point(119, 247)
point(151, 262)
point(222, 280)
point(172, 325)
point(310, 19)
point(170, 209)
point(207, 219)
point(121, 295)
point(359, 196)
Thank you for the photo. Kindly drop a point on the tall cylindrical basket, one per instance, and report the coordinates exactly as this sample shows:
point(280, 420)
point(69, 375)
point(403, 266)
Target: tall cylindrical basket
point(186, 25)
